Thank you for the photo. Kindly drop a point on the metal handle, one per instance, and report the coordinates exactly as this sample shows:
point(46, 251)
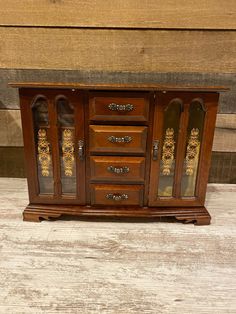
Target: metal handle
point(81, 149)
point(118, 170)
point(125, 139)
point(116, 107)
point(155, 149)
point(117, 196)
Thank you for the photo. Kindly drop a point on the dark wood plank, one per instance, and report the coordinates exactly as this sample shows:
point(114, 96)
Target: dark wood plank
point(223, 168)
point(12, 162)
point(9, 96)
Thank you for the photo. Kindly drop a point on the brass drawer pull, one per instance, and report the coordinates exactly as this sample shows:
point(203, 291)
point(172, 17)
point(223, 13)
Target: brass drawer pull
point(118, 170)
point(125, 139)
point(116, 107)
point(117, 196)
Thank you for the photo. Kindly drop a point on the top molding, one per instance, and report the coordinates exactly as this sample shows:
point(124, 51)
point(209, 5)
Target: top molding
point(143, 87)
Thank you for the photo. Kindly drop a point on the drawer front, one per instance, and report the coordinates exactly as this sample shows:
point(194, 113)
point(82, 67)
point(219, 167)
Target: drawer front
point(117, 139)
point(119, 169)
point(111, 107)
point(116, 195)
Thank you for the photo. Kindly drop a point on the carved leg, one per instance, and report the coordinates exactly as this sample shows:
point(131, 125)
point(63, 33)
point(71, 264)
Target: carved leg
point(198, 221)
point(186, 220)
point(31, 217)
point(36, 216)
point(197, 215)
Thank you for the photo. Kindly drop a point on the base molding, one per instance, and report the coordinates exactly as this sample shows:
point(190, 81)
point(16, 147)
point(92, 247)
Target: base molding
point(197, 215)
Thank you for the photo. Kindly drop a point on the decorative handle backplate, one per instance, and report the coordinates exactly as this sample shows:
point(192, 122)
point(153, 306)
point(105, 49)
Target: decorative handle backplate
point(81, 149)
point(118, 170)
point(68, 151)
point(116, 107)
point(117, 196)
point(44, 155)
point(168, 151)
point(155, 149)
point(114, 139)
point(192, 151)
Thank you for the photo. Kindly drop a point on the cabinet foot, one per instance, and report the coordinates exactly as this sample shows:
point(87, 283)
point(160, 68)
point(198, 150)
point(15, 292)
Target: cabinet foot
point(198, 221)
point(202, 221)
point(35, 216)
point(197, 215)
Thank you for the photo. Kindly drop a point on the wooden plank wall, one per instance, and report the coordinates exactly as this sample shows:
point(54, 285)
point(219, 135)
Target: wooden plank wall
point(156, 41)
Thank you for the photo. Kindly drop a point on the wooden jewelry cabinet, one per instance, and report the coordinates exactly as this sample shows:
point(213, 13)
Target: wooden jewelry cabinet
point(117, 150)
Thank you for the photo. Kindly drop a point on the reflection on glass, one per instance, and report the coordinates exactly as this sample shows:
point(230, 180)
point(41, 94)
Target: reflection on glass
point(193, 145)
point(44, 158)
point(168, 153)
point(67, 145)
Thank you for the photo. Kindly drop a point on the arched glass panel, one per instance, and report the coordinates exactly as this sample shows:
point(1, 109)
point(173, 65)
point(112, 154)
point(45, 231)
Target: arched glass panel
point(43, 147)
point(193, 146)
point(168, 149)
point(66, 124)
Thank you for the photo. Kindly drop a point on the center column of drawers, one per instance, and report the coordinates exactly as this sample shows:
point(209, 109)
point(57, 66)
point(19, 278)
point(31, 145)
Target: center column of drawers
point(117, 145)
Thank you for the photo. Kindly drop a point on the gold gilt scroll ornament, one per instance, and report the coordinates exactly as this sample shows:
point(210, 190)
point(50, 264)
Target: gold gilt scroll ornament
point(68, 151)
point(192, 151)
point(43, 152)
point(168, 151)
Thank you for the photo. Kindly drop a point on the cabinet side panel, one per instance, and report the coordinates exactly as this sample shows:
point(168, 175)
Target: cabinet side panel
point(29, 144)
point(211, 104)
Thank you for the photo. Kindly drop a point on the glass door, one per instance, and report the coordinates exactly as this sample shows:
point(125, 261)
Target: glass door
point(55, 152)
point(182, 139)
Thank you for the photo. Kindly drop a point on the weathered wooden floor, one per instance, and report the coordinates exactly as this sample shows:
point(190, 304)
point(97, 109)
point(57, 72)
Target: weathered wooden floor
point(111, 267)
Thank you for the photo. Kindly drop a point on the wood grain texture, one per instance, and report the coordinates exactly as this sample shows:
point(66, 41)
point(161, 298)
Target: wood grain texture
point(209, 14)
point(225, 133)
point(223, 168)
point(224, 140)
point(110, 267)
point(223, 165)
point(227, 121)
point(133, 195)
point(9, 96)
point(11, 131)
point(118, 50)
point(10, 128)
point(12, 163)
point(105, 139)
point(118, 170)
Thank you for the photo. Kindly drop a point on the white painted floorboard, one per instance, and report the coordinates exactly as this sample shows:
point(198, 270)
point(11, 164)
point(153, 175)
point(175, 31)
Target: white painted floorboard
point(74, 266)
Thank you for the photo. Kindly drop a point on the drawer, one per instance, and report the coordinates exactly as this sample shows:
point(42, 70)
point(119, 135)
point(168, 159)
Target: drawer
point(122, 169)
point(116, 194)
point(117, 139)
point(115, 107)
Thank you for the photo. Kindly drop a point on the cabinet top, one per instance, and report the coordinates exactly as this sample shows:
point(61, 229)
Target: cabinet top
point(128, 86)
